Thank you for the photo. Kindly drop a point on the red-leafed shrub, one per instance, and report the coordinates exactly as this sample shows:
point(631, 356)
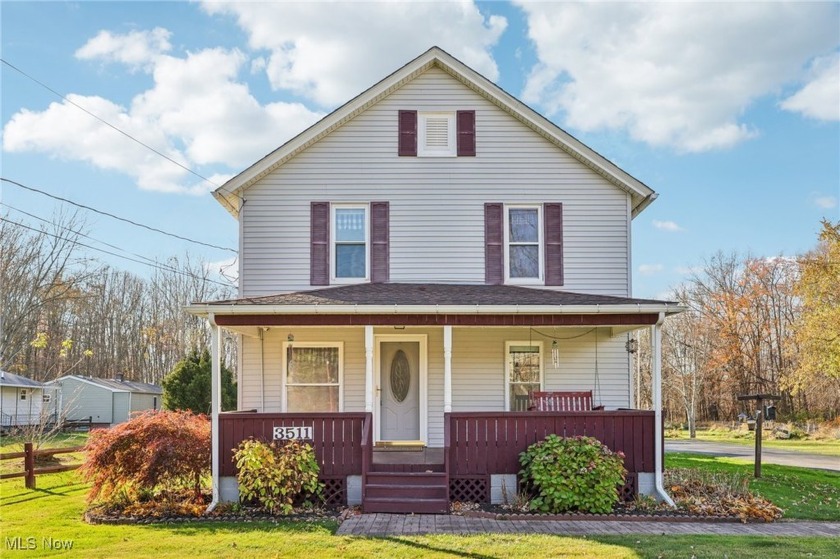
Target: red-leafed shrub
point(153, 451)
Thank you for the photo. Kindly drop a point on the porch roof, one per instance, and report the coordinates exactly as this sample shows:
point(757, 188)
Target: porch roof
point(431, 298)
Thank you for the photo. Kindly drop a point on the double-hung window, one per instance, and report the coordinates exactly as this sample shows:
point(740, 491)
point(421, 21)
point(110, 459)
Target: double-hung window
point(523, 244)
point(312, 377)
point(350, 238)
point(523, 372)
point(23, 394)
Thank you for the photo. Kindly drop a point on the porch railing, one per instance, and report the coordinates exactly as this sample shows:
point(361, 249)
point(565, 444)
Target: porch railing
point(338, 438)
point(483, 443)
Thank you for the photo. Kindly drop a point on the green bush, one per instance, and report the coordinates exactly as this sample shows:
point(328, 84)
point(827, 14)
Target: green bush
point(569, 474)
point(277, 476)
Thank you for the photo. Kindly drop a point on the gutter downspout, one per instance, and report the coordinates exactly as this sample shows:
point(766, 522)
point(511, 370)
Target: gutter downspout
point(659, 462)
point(215, 392)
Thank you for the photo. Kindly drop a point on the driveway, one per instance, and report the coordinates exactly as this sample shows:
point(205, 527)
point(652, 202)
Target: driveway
point(768, 455)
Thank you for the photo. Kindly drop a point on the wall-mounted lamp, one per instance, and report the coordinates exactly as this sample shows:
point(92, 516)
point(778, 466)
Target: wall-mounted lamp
point(555, 354)
point(631, 345)
point(290, 338)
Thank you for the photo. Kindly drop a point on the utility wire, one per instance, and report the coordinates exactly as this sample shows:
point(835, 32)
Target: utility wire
point(47, 221)
point(109, 125)
point(156, 265)
point(117, 217)
point(105, 122)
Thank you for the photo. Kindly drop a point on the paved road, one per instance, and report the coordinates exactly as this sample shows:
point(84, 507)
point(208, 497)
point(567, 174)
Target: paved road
point(768, 455)
point(405, 524)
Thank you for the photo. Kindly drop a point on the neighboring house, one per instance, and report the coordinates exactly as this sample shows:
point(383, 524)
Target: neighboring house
point(413, 267)
point(104, 402)
point(23, 401)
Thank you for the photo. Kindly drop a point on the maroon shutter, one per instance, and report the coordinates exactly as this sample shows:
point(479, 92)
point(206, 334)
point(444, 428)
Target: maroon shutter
point(319, 251)
point(493, 238)
point(553, 215)
point(466, 133)
point(379, 242)
point(408, 133)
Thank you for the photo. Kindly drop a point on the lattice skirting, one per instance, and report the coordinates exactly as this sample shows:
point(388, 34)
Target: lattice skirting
point(335, 491)
point(630, 489)
point(469, 489)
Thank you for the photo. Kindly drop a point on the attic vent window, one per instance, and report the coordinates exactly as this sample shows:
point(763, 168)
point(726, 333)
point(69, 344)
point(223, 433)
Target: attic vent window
point(437, 135)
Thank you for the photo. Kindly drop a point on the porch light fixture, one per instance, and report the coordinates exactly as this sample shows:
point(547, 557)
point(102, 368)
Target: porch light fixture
point(290, 338)
point(631, 345)
point(555, 354)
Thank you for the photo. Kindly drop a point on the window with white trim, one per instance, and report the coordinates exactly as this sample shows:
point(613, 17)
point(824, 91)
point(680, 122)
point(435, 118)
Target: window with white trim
point(523, 244)
point(47, 398)
point(350, 239)
point(23, 393)
point(436, 134)
point(523, 373)
point(313, 377)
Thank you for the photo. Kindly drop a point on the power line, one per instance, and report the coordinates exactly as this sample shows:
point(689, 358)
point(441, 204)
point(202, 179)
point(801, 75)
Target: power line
point(105, 122)
point(47, 221)
point(117, 217)
point(158, 265)
point(124, 133)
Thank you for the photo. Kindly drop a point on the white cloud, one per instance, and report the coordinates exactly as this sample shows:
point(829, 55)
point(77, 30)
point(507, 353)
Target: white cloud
point(672, 74)
point(670, 226)
point(650, 269)
point(820, 97)
point(688, 270)
point(136, 48)
point(196, 113)
point(825, 202)
point(331, 53)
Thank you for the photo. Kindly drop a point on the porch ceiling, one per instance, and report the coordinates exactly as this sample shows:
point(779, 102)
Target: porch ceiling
point(435, 304)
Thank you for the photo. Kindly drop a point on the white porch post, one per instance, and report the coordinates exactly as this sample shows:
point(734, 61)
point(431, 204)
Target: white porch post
point(368, 368)
point(447, 368)
point(656, 356)
point(215, 404)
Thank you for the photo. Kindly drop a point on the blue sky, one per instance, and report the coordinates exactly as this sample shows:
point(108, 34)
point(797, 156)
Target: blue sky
point(731, 112)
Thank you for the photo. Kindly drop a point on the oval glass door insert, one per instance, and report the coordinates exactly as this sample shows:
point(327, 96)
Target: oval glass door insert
point(400, 376)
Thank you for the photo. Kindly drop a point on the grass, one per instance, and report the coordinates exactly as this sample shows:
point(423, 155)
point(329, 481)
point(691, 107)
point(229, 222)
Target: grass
point(802, 493)
point(827, 447)
point(54, 511)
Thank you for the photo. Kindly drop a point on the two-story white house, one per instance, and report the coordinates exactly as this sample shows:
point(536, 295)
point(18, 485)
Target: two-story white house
point(413, 268)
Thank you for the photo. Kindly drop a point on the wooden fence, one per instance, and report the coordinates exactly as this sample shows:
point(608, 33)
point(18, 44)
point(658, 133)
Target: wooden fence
point(29, 470)
point(337, 437)
point(483, 443)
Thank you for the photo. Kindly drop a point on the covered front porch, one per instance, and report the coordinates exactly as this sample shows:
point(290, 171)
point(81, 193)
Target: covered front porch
point(427, 402)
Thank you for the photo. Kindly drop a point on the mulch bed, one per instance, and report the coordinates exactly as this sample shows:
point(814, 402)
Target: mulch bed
point(99, 516)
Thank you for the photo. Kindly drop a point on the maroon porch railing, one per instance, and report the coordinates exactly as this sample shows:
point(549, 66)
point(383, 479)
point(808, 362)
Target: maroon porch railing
point(483, 443)
point(337, 438)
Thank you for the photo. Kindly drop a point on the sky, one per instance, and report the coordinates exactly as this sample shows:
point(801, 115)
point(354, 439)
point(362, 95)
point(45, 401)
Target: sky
point(729, 111)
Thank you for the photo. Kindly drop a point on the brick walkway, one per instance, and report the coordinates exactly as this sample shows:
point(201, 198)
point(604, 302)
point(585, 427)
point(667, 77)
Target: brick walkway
point(404, 525)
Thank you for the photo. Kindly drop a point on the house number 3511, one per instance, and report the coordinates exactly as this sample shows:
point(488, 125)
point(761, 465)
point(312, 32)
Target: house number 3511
point(290, 433)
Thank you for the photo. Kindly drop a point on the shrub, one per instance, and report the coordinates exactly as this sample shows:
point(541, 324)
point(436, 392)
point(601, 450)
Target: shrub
point(277, 476)
point(576, 473)
point(152, 451)
point(188, 385)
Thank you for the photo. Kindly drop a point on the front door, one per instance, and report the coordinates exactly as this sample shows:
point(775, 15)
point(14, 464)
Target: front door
point(401, 392)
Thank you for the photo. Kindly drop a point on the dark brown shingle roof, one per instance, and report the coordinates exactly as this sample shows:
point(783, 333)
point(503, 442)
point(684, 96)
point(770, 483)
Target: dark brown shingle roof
point(435, 294)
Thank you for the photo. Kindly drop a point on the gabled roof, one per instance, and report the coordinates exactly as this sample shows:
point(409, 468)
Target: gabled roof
point(641, 195)
point(11, 379)
point(116, 385)
point(407, 298)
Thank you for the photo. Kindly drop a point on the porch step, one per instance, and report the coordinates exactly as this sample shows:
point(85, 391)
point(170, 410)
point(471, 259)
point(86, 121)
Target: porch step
point(407, 492)
point(419, 468)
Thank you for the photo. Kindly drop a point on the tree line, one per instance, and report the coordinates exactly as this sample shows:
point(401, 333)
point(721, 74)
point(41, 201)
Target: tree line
point(65, 313)
point(755, 325)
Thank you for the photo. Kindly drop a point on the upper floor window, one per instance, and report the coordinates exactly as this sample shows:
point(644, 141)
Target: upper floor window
point(350, 239)
point(523, 244)
point(23, 393)
point(437, 134)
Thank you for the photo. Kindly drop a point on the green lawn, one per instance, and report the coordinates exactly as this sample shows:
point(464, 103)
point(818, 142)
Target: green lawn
point(802, 493)
point(828, 447)
point(54, 512)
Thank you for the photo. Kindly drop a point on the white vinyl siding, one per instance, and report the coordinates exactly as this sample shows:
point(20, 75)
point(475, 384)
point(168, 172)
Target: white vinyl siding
point(358, 163)
point(478, 367)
